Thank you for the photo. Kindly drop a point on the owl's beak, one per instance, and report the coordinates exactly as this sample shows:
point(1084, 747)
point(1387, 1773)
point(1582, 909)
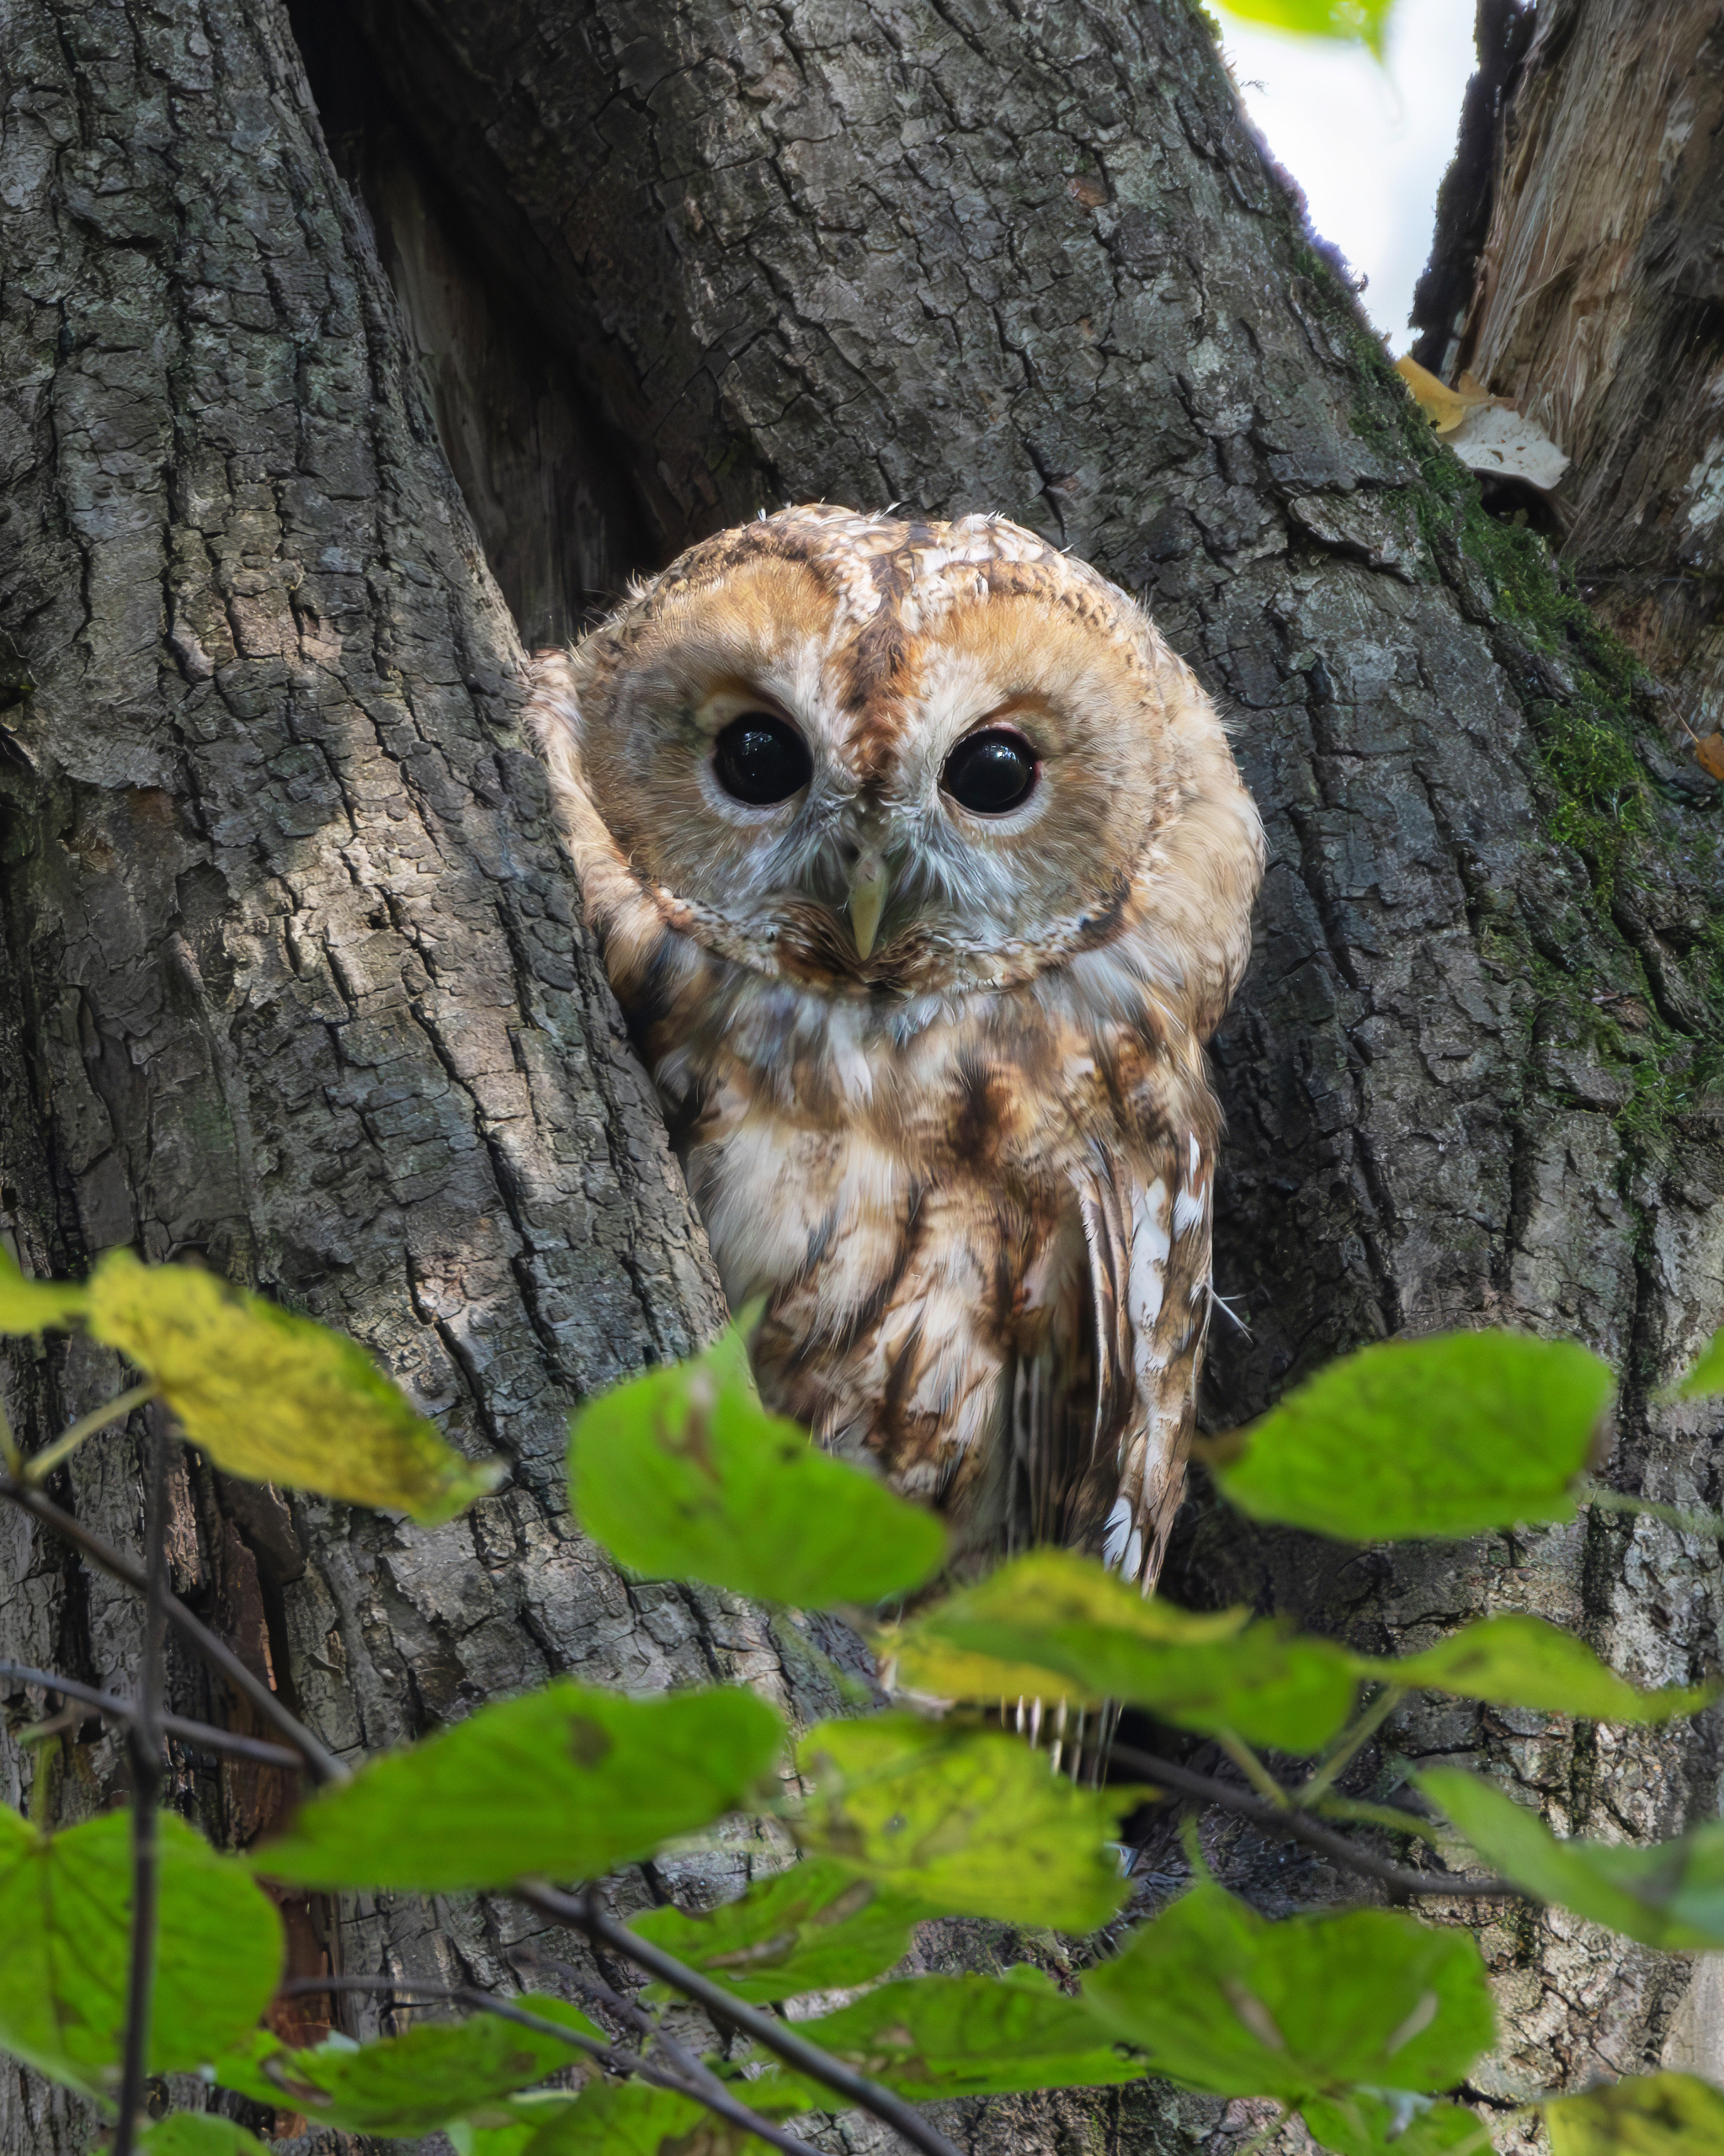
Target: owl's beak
point(871, 883)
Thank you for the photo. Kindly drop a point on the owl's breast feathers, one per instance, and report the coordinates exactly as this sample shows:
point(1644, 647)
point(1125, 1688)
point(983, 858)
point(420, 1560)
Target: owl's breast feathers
point(978, 1204)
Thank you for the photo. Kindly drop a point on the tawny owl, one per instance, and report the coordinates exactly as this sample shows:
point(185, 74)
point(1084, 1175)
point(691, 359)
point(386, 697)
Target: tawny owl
point(921, 871)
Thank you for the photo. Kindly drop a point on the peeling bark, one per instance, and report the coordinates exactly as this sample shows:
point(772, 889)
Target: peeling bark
point(1596, 301)
point(296, 980)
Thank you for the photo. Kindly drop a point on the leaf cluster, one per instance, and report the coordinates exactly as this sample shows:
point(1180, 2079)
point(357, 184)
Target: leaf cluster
point(1360, 2020)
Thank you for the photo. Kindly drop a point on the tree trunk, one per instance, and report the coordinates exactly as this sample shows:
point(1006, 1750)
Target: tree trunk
point(1594, 297)
point(298, 981)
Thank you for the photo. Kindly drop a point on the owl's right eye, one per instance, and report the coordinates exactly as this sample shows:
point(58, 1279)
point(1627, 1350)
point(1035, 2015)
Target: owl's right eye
point(761, 759)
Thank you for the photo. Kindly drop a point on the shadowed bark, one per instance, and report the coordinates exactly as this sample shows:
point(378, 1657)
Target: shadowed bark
point(297, 981)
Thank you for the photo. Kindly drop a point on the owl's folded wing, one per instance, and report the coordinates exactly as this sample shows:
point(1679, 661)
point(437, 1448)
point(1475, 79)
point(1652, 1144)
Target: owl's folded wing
point(1147, 1223)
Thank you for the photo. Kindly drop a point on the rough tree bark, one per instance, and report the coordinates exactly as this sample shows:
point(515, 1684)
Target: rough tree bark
point(297, 980)
point(1593, 295)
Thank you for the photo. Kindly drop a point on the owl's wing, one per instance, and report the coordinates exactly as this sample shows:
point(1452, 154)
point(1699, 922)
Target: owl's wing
point(1147, 1225)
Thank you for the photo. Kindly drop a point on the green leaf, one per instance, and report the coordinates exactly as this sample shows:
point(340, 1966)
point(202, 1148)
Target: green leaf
point(1412, 1438)
point(631, 2118)
point(1363, 2124)
point(408, 2084)
point(27, 1305)
point(929, 2037)
point(1354, 21)
point(276, 1399)
point(1051, 1623)
point(568, 1783)
point(1669, 1894)
point(968, 1823)
point(1518, 1661)
point(199, 2133)
point(817, 1927)
point(508, 2127)
point(1703, 1382)
point(65, 1920)
point(1223, 2000)
point(1652, 2115)
point(682, 1474)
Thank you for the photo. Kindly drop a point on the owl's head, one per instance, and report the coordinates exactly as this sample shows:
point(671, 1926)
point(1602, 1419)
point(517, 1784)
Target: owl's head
point(879, 757)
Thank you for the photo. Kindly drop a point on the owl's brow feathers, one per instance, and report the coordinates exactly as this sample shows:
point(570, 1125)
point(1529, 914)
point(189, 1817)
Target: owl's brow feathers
point(968, 1160)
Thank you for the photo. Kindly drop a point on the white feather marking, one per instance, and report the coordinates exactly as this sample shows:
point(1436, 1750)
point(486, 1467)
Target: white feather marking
point(1190, 1209)
point(1196, 1154)
point(1151, 1243)
point(1134, 1556)
point(1119, 1528)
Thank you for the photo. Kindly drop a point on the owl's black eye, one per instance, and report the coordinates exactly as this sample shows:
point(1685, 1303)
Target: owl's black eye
point(991, 772)
point(761, 759)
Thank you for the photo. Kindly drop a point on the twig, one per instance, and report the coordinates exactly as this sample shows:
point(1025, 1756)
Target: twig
point(584, 1913)
point(629, 2011)
point(40, 1465)
point(703, 2086)
point(322, 1765)
point(1322, 1778)
point(203, 1735)
point(1253, 1770)
point(146, 1778)
point(1283, 1820)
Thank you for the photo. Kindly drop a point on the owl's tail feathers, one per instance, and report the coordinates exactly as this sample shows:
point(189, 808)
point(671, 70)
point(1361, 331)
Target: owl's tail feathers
point(1077, 1740)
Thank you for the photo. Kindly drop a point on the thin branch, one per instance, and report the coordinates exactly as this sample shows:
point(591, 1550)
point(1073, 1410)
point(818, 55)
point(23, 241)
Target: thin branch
point(322, 1765)
point(146, 1778)
point(40, 1465)
point(1282, 1820)
point(1323, 1778)
point(11, 1459)
point(627, 2010)
point(584, 1913)
point(1253, 1770)
point(201, 1735)
point(703, 2086)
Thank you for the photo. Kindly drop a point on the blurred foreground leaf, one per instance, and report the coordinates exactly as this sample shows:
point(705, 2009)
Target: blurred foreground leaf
point(1356, 21)
point(1703, 1382)
point(817, 1927)
point(631, 2118)
point(506, 2128)
point(1222, 1999)
point(567, 1782)
point(966, 1822)
point(1412, 1438)
point(276, 1399)
point(409, 2084)
point(199, 2133)
point(1055, 1624)
point(930, 2037)
point(1652, 2115)
point(27, 1305)
point(1670, 1894)
point(1366, 2125)
point(1519, 1661)
point(682, 1474)
point(65, 1927)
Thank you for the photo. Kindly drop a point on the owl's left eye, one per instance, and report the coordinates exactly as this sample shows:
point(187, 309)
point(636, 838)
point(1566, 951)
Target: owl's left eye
point(760, 759)
point(990, 773)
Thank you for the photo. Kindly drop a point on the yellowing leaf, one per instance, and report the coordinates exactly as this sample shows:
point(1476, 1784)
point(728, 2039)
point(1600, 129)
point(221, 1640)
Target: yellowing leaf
point(1053, 1625)
point(1444, 408)
point(1350, 21)
point(27, 1305)
point(1650, 2114)
point(962, 1821)
point(277, 1398)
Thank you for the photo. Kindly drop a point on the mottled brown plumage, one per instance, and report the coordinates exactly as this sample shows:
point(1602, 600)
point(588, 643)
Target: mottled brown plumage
point(936, 1076)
